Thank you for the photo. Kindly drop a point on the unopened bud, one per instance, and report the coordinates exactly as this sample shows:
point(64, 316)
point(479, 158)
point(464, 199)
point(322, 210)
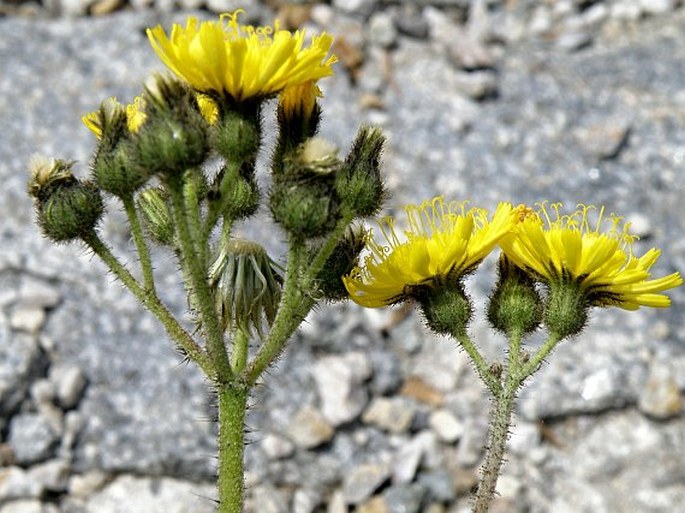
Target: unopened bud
point(174, 135)
point(446, 307)
point(153, 203)
point(359, 183)
point(566, 309)
point(70, 212)
point(515, 306)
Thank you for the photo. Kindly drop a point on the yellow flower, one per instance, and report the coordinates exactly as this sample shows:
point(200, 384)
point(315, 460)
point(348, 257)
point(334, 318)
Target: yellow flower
point(241, 62)
point(443, 241)
point(562, 249)
point(109, 109)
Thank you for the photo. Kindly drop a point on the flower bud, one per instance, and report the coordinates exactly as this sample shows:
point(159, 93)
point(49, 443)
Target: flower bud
point(246, 286)
point(515, 306)
point(174, 135)
point(236, 135)
point(445, 307)
point(235, 192)
point(566, 309)
point(359, 183)
point(153, 203)
point(114, 171)
point(70, 212)
point(341, 261)
point(306, 209)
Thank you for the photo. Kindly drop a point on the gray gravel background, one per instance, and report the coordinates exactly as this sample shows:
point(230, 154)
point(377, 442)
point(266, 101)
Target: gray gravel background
point(520, 100)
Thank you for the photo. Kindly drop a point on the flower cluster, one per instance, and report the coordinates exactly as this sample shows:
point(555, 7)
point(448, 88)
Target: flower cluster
point(444, 242)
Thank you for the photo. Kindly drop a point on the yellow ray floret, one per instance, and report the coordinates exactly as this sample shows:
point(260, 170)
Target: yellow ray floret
point(241, 62)
point(134, 112)
point(555, 247)
point(443, 241)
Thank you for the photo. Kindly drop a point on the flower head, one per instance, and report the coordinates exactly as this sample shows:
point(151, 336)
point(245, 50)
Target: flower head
point(444, 241)
point(241, 62)
point(560, 249)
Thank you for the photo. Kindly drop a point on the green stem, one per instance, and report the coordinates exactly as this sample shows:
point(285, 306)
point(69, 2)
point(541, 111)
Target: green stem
point(293, 308)
point(150, 300)
point(139, 240)
point(500, 421)
point(535, 361)
point(197, 272)
point(239, 351)
point(232, 407)
point(325, 251)
point(483, 368)
point(192, 210)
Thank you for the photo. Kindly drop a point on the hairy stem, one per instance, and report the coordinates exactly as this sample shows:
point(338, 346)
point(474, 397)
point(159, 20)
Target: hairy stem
point(197, 272)
point(481, 364)
point(498, 434)
point(139, 240)
point(232, 398)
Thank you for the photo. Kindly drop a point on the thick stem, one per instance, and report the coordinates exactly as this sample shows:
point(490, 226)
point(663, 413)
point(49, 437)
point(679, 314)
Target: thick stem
point(294, 306)
point(494, 455)
point(197, 272)
point(232, 407)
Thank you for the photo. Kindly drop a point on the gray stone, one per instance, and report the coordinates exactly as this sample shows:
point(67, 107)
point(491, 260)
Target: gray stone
point(23, 506)
point(362, 8)
point(267, 499)
point(606, 139)
point(471, 445)
point(84, 485)
point(653, 7)
point(478, 85)
point(69, 382)
point(404, 499)
point(381, 29)
point(309, 428)
point(52, 476)
point(337, 503)
point(411, 23)
point(338, 380)
point(152, 495)
point(32, 438)
point(39, 293)
point(27, 318)
point(16, 483)
point(411, 455)
point(446, 425)
point(660, 398)
point(42, 392)
point(391, 414)
point(439, 485)
point(277, 447)
point(306, 500)
point(361, 482)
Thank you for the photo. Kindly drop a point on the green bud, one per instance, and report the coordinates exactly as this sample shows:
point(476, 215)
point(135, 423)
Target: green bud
point(235, 192)
point(174, 135)
point(70, 212)
point(515, 306)
point(236, 136)
point(246, 285)
point(114, 172)
point(298, 115)
point(341, 261)
point(315, 156)
point(566, 309)
point(359, 183)
point(153, 203)
point(445, 307)
point(306, 209)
